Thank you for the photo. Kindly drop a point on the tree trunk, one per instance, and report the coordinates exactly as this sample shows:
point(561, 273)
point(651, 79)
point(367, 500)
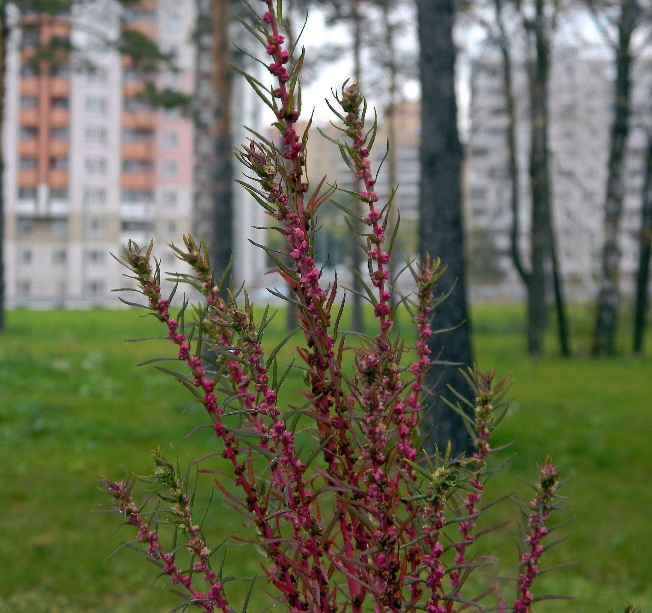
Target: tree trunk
point(4, 32)
point(609, 294)
point(441, 225)
point(539, 179)
point(512, 144)
point(357, 316)
point(645, 250)
point(221, 248)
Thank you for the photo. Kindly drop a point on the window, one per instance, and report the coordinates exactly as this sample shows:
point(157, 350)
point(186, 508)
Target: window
point(59, 228)
point(96, 105)
point(170, 199)
point(96, 227)
point(173, 21)
point(132, 75)
point(478, 193)
point(95, 135)
point(59, 256)
point(28, 133)
point(26, 256)
point(204, 144)
point(24, 288)
point(62, 133)
point(30, 38)
point(96, 288)
point(137, 136)
point(60, 102)
point(27, 193)
point(140, 15)
point(59, 193)
point(137, 195)
point(95, 166)
point(97, 74)
point(95, 256)
point(170, 169)
point(131, 165)
point(94, 195)
point(170, 140)
point(171, 80)
point(27, 163)
point(168, 229)
point(27, 71)
point(135, 105)
point(60, 71)
point(25, 226)
point(60, 163)
point(28, 102)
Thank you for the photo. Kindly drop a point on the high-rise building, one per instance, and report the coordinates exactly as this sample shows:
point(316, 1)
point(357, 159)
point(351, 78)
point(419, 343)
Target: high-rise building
point(90, 164)
point(581, 109)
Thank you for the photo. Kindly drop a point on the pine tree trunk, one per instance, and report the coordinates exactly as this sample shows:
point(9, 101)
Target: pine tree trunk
point(645, 250)
point(221, 248)
point(441, 224)
point(539, 181)
point(512, 144)
point(609, 293)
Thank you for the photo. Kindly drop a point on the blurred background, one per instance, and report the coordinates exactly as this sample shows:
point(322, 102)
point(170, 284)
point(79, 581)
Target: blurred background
point(520, 148)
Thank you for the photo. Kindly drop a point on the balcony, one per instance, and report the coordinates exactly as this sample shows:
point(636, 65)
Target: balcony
point(29, 86)
point(29, 117)
point(137, 181)
point(28, 177)
point(59, 117)
point(59, 148)
point(58, 179)
point(129, 90)
point(28, 148)
point(141, 120)
point(136, 211)
point(139, 237)
point(139, 150)
point(59, 87)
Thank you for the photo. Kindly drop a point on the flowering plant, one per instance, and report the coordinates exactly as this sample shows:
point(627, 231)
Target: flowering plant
point(362, 519)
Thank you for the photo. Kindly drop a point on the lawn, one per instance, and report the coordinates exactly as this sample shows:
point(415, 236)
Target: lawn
point(73, 406)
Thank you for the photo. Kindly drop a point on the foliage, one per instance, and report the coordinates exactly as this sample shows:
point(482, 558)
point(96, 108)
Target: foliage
point(348, 511)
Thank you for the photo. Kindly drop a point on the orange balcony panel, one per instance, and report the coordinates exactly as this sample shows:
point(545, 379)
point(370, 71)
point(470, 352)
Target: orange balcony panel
point(147, 29)
point(137, 180)
point(59, 87)
point(26, 54)
point(29, 86)
point(58, 27)
point(139, 151)
point(59, 117)
point(27, 182)
point(28, 117)
point(145, 120)
point(59, 148)
point(58, 179)
point(28, 178)
point(129, 90)
point(28, 148)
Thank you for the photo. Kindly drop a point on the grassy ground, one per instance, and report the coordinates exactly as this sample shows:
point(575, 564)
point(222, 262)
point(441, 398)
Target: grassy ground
point(72, 407)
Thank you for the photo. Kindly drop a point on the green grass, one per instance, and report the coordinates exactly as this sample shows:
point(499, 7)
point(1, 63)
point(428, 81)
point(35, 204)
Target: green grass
point(73, 406)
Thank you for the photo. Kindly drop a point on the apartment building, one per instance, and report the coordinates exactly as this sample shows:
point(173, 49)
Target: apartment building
point(581, 100)
point(89, 164)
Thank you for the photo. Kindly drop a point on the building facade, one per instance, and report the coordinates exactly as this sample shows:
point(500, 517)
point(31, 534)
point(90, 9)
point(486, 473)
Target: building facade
point(90, 164)
point(581, 109)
